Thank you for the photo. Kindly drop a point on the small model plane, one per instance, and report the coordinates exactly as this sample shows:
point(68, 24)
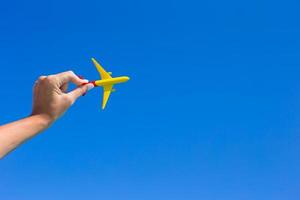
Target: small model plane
point(107, 82)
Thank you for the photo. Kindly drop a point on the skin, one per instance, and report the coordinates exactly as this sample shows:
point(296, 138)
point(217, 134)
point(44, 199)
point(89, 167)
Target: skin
point(50, 101)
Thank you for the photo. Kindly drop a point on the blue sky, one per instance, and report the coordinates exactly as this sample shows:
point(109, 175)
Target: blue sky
point(212, 109)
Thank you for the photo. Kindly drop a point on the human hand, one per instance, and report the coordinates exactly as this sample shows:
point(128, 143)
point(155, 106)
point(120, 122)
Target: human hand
point(50, 97)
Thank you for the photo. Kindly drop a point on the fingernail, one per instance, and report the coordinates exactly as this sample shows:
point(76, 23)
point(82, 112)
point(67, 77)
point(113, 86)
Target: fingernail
point(85, 80)
point(90, 86)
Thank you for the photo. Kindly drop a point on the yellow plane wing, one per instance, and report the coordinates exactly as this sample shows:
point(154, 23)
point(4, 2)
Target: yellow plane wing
point(106, 93)
point(102, 72)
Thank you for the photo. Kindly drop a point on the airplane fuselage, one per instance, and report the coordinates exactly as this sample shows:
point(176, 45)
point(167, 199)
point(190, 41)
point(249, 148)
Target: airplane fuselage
point(111, 81)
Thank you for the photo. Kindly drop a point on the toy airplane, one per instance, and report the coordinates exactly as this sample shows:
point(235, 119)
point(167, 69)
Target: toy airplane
point(107, 82)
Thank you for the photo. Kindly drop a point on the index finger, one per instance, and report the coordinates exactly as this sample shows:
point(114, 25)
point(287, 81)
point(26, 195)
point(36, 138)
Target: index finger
point(69, 76)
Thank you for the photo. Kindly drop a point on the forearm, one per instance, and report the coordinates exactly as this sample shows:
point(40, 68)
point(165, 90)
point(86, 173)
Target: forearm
point(15, 133)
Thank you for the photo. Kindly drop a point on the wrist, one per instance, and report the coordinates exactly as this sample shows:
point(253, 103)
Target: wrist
point(42, 120)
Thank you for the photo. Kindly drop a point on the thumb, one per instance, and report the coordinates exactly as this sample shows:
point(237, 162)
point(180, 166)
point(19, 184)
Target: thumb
point(79, 91)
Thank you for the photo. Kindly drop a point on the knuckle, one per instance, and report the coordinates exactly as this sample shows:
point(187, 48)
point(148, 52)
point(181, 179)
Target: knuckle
point(45, 80)
point(41, 78)
point(50, 79)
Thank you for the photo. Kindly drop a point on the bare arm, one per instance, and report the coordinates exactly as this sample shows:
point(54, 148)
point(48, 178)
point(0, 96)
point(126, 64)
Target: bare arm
point(15, 133)
point(50, 101)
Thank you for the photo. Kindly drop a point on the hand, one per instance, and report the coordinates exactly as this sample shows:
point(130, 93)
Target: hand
point(50, 97)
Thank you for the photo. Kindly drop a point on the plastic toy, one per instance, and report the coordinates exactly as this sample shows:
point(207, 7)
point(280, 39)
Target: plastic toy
point(107, 82)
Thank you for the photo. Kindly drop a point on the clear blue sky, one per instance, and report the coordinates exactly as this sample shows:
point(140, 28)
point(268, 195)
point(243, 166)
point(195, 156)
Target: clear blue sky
point(212, 109)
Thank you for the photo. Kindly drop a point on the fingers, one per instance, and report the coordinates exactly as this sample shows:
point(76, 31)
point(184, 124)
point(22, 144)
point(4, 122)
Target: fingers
point(76, 93)
point(68, 76)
